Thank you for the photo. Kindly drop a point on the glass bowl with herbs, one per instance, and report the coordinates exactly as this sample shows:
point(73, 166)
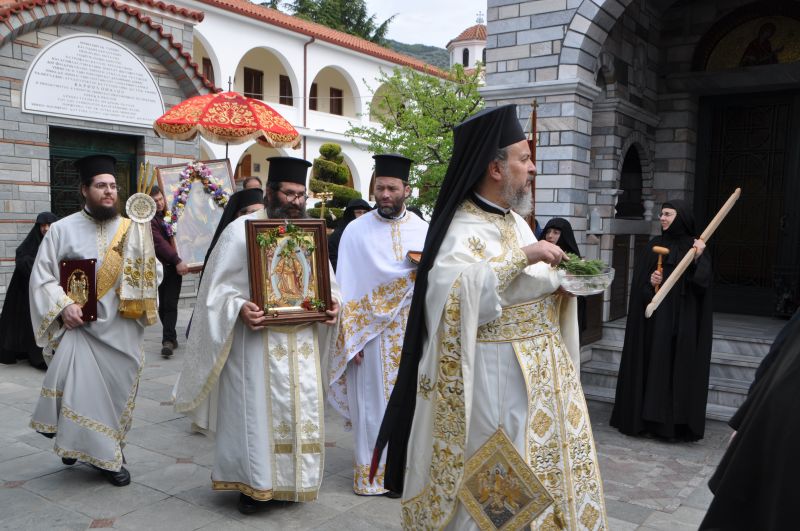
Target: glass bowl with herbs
point(584, 277)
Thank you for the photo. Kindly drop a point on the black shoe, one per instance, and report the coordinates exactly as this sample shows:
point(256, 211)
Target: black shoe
point(69, 461)
point(118, 479)
point(48, 435)
point(392, 495)
point(166, 349)
point(248, 505)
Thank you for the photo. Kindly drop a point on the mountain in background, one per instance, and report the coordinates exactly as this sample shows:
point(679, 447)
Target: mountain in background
point(430, 54)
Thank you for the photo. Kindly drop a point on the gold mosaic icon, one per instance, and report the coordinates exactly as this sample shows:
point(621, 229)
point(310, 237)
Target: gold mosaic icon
point(499, 489)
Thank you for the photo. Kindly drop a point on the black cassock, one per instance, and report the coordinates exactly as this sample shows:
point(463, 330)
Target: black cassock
point(16, 331)
point(755, 485)
point(662, 387)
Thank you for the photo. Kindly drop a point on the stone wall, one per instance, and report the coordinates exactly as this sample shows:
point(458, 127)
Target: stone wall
point(24, 137)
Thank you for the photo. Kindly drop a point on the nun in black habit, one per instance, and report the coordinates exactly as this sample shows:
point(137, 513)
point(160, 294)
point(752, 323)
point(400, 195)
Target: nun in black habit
point(662, 386)
point(755, 485)
point(16, 332)
point(559, 232)
point(355, 208)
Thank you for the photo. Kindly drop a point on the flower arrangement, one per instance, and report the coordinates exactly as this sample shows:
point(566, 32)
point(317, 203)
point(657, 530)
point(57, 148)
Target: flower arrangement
point(194, 171)
point(269, 239)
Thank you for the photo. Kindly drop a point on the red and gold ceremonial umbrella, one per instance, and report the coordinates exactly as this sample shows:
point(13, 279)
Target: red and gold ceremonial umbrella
point(227, 117)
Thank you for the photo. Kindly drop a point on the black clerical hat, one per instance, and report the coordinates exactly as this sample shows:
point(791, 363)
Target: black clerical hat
point(93, 165)
point(392, 165)
point(288, 170)
point(510, 131)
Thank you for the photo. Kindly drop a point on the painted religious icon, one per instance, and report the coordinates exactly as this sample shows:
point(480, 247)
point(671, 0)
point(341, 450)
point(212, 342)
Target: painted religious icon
point(196, 194)
point(288, 263)
point(78, 280)
point(758, 41)
point(500, 490)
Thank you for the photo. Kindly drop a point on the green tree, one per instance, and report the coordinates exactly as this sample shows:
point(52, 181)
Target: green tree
point(417, 112)
point(330, 174)
point(349, 16)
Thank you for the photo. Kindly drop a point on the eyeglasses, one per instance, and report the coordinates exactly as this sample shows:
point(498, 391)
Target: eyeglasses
point(105, 186)
point(301, 196)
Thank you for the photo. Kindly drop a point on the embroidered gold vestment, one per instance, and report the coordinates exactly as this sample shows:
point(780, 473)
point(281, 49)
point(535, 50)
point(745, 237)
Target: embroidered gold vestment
point(377, 281)
point(260, 392)
point(498, 356)
point(88, 393)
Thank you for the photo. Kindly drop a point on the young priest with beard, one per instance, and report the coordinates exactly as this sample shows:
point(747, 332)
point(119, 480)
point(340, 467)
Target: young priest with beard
point(377, 280)
point(87, 399)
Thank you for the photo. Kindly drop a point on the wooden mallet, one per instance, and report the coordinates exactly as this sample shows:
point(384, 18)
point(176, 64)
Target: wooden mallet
point(661, 252)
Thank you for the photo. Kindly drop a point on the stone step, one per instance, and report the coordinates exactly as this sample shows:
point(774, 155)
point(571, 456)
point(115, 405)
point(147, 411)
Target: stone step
point(723, 364)
point(726, 393)
point(605, 394)
point(727, 342)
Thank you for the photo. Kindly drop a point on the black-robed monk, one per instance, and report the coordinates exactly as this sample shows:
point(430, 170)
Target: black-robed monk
point(16, 332)
point(663, 376)
point(755, 485)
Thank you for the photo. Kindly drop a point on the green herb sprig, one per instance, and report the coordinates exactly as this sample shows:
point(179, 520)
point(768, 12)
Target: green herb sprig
point(578, 266)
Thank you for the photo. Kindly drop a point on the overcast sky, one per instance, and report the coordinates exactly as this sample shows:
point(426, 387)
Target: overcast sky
point(431, 22)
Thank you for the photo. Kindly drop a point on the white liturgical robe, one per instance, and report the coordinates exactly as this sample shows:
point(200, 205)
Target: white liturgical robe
point(377, 281)
point(89, 390)
point(259, 391)
point(497, 359)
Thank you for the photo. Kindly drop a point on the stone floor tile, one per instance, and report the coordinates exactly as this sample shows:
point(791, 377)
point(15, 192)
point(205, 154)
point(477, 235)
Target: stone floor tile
point(153, 412)
point(44, 515)
point(17, 449)
point(615, 524)
point(30, 466)
point(219, 502)
point(172, 514)
point(176, 478)
point(103, 500)
point(337, 493)
point(682, 518)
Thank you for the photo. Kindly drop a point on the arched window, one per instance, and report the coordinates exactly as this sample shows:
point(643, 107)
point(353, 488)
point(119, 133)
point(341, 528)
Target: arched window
point(483, 56)
point(465, 57)
point(629, 204)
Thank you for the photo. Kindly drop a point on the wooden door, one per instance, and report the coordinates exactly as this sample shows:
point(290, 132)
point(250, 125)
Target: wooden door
point(751, 141)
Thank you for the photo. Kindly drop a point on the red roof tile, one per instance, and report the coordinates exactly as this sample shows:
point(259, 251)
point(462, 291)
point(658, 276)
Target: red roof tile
point(323, 33)
point(473, 33)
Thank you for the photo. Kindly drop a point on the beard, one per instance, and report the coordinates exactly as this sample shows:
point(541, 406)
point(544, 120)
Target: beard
point(100, 212)
point(276, 210)
point(393, 210)
point(520, 200)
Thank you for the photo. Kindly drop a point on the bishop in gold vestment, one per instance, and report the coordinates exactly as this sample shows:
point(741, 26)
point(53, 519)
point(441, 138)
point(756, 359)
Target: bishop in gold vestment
point(500, 432)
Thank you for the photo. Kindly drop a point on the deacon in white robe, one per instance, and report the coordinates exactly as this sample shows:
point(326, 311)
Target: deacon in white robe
point(260, 390)
point(88, 394)
point(501, 433)
point(377, 280)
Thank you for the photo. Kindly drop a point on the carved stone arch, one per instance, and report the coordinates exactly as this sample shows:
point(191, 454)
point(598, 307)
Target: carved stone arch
point(118, 19)
point(645, 149)
point(587, 31)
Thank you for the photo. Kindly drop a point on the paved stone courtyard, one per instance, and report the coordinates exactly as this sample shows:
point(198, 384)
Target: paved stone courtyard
point(648, 484)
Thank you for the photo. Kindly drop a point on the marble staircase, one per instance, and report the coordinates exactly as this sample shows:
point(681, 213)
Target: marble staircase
point(740, 342)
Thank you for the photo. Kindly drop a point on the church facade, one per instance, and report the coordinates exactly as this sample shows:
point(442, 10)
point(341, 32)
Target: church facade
point(643, 101)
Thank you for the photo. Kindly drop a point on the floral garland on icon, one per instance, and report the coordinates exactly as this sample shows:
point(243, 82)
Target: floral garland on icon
point(295, 240)
point(194, 171)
